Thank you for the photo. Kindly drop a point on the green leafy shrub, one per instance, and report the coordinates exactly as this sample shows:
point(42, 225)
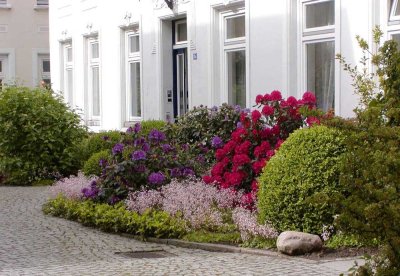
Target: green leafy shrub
point(149, 125)
point(101, 141)
point(115, 218)
point(40, 136)
point(298, 181)
point(370, 170)
point(370, 204)
point(92, 165)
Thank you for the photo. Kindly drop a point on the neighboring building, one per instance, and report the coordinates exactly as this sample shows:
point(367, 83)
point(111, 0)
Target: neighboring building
point(131, 60)
point(24, 42)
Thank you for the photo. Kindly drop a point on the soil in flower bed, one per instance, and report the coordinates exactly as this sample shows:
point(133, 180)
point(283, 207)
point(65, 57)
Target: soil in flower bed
point(345, 252)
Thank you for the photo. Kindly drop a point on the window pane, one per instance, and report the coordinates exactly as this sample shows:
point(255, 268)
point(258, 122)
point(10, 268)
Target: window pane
point(95, 92)
point(69, 54)
point(237, 77)
point(134, 44)
point(321, 73)
point(320, 14)
point(396, 37)
point(135, 96)
point(1, 66)
point(235, 27)
point(396, 8)
point(95, 50)
point(46, 66)
point(70, 82)
point(181, 32)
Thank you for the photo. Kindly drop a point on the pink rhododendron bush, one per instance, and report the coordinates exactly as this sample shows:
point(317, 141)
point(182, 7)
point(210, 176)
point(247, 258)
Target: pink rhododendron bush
point(257, 136)
point(72, 187)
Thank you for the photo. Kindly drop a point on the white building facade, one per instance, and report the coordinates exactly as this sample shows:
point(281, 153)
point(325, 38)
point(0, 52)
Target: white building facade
point(24, 42)
point(132, 60)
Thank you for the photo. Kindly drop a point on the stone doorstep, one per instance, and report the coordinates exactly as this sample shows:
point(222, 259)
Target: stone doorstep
point(234, 249)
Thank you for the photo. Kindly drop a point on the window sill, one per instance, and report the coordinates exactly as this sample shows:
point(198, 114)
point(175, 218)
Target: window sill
point(40, 7)
point(6, 6)
point(91, 123)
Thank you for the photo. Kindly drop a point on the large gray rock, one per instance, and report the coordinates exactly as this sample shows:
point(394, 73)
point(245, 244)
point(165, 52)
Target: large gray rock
point(298, 243)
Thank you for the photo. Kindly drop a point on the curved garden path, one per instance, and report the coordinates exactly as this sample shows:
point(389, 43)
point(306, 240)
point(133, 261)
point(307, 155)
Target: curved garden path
point(34, 244)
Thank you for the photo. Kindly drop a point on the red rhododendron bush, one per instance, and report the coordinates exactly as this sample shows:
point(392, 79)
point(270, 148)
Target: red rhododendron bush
point(257, 136)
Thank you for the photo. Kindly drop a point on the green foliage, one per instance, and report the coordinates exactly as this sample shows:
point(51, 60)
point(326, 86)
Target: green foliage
point(213, 237)
point(149, 125)
point(115, 218)
point(260, 243)
point(101, 141)
point(341, 240)
point(370, 204)
point(92, 165)
point(40, 136)
point(298, 182)
point(201, 124)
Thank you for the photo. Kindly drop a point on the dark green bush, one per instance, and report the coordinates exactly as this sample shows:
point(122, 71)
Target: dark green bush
point(115, 218)
point(370, 204)
point(101, 141)
point(40, 136)
point(201, 124)
point(298, 181)
point(92, 165)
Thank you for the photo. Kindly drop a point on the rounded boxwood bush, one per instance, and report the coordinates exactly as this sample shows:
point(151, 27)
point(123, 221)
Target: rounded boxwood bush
point(40, 137)
point(92, 165)
point(147, 126)
point(298, 182)
point(100, 141)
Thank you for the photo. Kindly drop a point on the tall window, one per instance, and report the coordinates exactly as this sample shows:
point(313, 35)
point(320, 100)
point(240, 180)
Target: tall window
point(42, 3)
point(394, 21)
point(68, 73)
point(3, 70)
point(93, 79)
point(133, 76)
point(234, 56)
point(44, 70)
point(318, 49)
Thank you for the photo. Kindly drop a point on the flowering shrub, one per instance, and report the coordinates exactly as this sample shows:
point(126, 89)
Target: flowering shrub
point(149, 161)
point(72, 186)
point(207, 128)
point(246, 221)
point(257, 136)
point(202, 205)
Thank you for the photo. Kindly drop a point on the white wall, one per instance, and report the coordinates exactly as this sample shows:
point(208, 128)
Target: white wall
point(272, 49)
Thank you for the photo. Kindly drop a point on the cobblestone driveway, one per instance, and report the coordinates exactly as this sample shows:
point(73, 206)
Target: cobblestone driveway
point(34, 244)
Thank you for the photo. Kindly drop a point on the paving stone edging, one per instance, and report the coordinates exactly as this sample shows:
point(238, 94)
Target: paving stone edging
point(232, 249)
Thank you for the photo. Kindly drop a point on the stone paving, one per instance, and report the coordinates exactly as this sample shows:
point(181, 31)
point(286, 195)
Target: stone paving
point(34, 244)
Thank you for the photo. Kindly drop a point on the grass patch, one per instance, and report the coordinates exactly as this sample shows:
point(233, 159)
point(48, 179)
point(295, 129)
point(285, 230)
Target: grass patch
point(213, 237)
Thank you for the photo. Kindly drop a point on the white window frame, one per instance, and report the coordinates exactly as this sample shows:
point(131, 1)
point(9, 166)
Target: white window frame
point(93, 63)
point(180, 22)
point(231, 45)
point(314, 36)
point(305, 30)
point(130, 58)
point(392, 16)
point(68, 66)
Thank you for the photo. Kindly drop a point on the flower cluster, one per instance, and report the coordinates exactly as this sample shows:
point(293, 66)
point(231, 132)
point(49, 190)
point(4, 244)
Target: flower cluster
point(71, 187)
point(257, 136)
point(201, 205)
point(246, 221)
